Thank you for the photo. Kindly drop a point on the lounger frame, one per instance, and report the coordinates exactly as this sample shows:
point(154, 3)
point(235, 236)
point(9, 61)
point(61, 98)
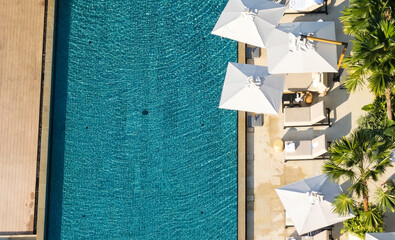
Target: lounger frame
point(324, 156)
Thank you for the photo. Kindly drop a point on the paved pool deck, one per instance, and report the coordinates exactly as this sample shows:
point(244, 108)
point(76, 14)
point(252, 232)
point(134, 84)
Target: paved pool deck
point(266, 169)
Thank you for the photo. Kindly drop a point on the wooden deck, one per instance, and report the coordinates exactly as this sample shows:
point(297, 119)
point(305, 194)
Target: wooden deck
point(21, 47)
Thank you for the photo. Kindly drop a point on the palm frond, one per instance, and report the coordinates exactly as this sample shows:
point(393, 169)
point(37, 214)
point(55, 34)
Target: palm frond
point(385, 200)
point(372, 219)
point(343, 204)
point(359, 187)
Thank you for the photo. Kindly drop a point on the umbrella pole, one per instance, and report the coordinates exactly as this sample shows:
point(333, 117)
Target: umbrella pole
point(345, 45)
point(336, 77)
point(342, 55)
point(255, 117)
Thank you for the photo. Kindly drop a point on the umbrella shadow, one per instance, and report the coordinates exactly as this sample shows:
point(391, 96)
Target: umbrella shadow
point(336, 97)
point(345, 186)
point(336, 231)
point(295, 235)
point(305, 134)
point(389, 220)
point(389, 217)
point(339, 127)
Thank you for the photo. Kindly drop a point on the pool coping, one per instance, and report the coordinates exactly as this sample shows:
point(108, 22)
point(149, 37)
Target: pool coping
point(241, 160)
point(49, 22)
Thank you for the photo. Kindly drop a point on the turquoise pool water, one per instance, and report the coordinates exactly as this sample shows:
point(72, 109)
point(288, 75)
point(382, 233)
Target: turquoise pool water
point(116, 173)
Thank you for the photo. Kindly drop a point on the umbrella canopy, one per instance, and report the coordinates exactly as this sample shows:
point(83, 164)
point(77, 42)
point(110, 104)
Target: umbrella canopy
point(250, 88)
point(380, 236)
point(249, 21)
point(286, 53)
point(308, 203)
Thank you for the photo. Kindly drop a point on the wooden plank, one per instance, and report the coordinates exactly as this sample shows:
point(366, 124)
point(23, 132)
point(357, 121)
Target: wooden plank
point(21, 40)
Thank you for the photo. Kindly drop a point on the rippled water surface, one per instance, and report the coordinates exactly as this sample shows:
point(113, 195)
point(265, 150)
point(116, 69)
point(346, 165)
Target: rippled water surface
point(140, 149)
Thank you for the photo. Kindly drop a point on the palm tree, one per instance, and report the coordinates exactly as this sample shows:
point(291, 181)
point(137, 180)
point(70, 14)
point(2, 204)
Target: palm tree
point(361, 157)
point(373, 53)
point(362, 16)
point(373, 59)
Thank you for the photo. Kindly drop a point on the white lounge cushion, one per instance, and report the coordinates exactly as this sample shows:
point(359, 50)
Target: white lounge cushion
point(302, 116)
point(302, 150)
point(297, 116)
point(318, 146)
point(307, 149)
point(290, 147)
point(318, 83)
point(301, 5)
point(317, 112)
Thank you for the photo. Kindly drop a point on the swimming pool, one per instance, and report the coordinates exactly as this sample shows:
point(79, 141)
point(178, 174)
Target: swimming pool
point(139, 147)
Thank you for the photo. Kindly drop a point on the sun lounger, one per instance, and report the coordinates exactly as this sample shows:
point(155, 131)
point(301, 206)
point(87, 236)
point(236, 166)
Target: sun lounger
point(306, 116)
point(302, 82)
point(305, 6)
point(306, 149)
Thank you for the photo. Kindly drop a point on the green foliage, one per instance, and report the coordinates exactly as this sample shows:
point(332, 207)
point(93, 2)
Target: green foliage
point(372, 219)
point(365, 154)
point(369, 107)
point(385, 196)
point(362, 156)
point(369, 221)
point(390, 131)
point(343, 204)
point(362, 15)
point(376, 116)
point(385, 200)
point(372, 59)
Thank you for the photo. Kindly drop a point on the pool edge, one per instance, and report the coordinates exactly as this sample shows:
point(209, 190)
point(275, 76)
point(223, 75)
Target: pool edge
point(45, 117)
point(241, 161)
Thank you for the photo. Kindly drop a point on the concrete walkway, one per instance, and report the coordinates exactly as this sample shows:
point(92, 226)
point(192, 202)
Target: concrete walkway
point(21, 42)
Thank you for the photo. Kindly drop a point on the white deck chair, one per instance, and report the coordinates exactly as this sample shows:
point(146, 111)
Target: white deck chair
point(306, 116)
point(306, 149)
point(302, 5)
point(305, 6)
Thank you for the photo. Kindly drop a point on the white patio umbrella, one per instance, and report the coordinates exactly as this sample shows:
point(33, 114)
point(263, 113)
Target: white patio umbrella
point(286, 53)
point(380, 236)
point(250, 88)
point(308, 203)
point(249, 21)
